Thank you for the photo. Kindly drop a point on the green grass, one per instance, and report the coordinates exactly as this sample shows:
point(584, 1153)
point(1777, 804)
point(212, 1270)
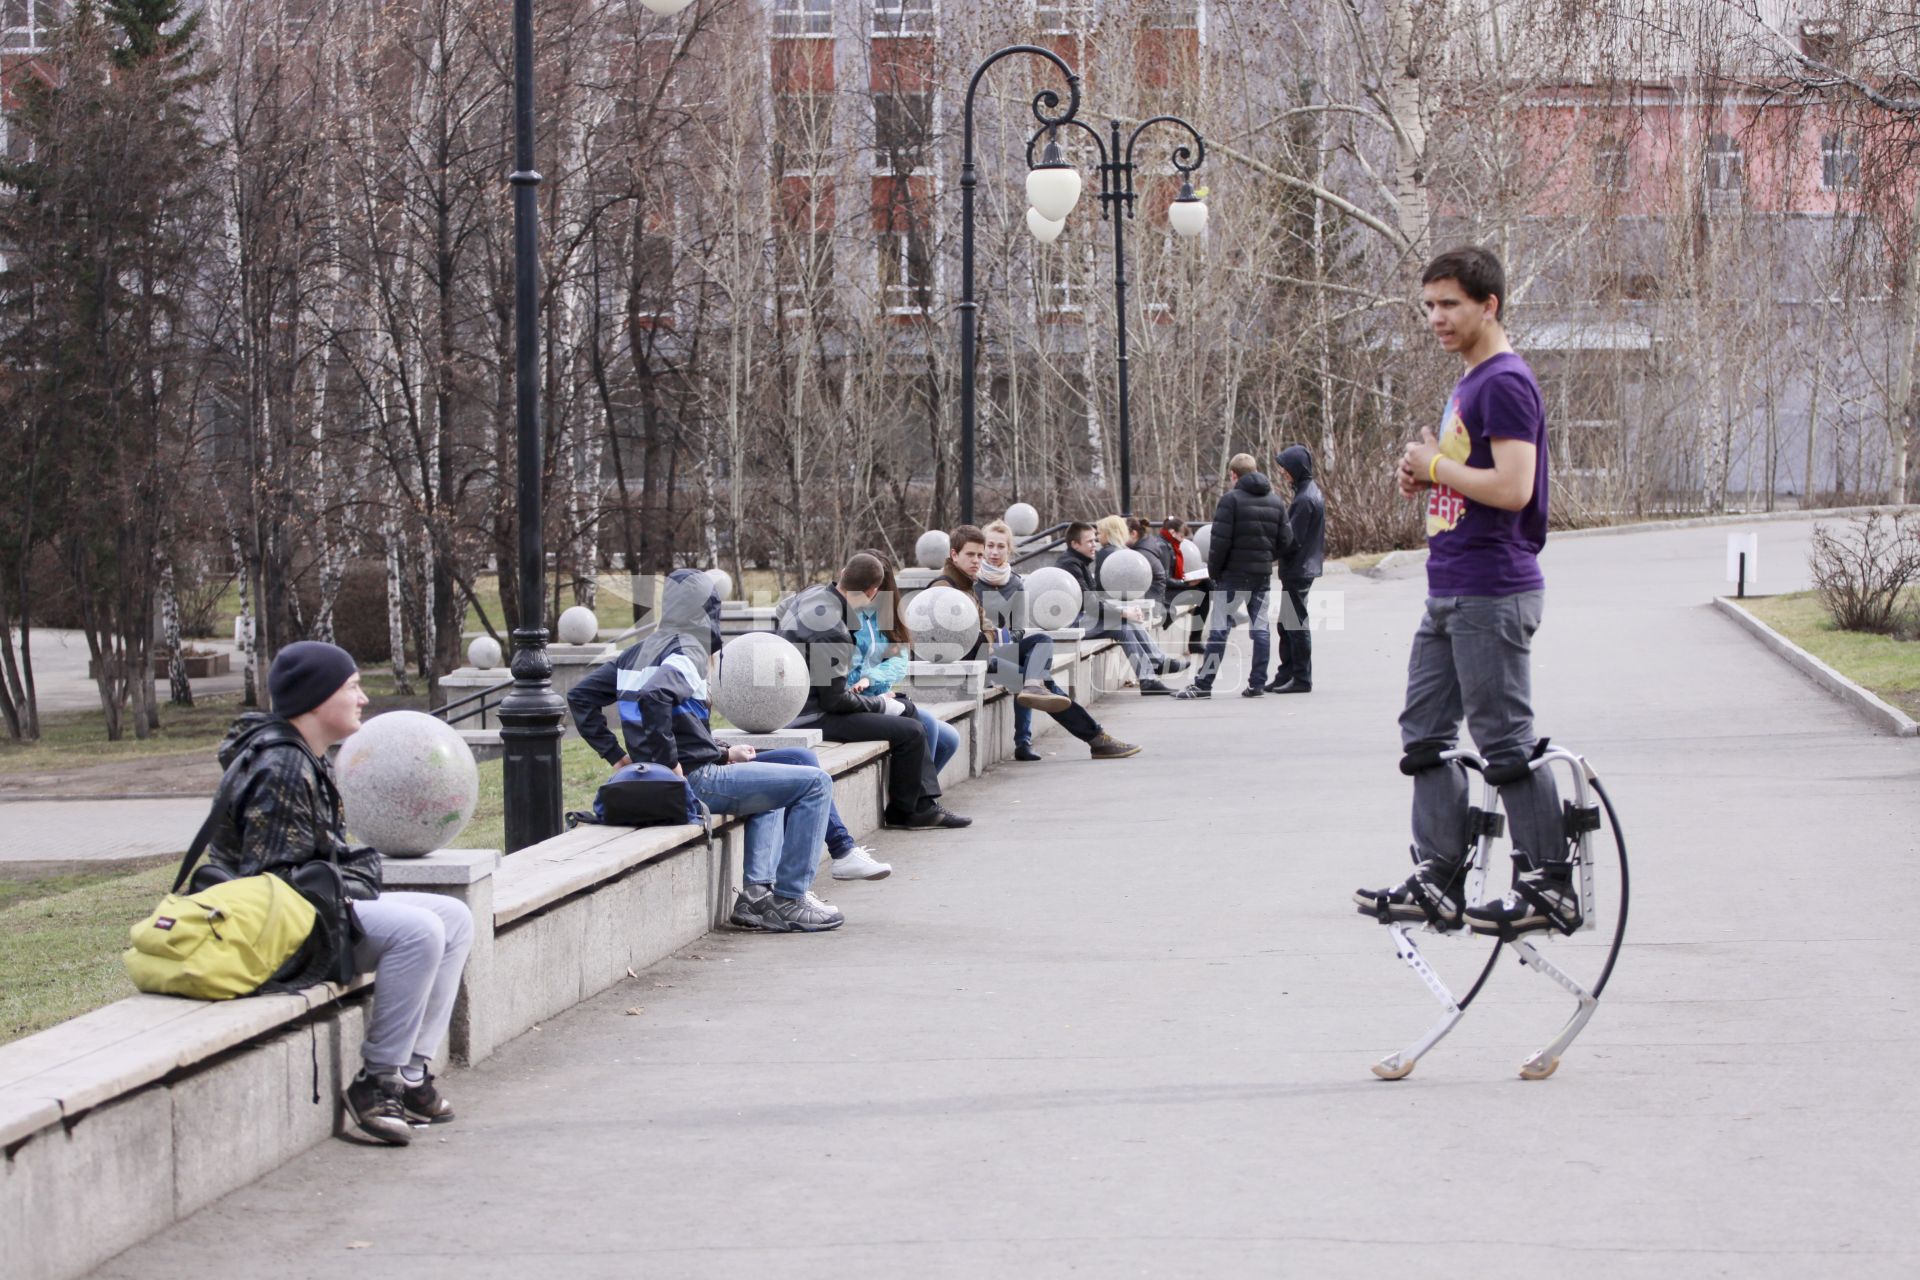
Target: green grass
point(64, 935)
point(581, 773)
point(1889, 667)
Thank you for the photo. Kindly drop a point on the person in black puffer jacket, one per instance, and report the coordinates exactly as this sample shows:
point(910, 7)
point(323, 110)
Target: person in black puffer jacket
point(278, 808)
point(1307, 517)
point(1250, 534)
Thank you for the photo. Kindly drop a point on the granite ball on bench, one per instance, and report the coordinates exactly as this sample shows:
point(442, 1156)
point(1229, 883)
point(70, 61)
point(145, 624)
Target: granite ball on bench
point(409, 783)
point(1053, 598)
point(945, 623)
point(762, 682)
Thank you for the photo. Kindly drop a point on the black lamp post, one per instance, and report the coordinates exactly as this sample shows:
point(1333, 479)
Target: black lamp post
point(1051, 185)
point(1188, 215)
point(531, 714)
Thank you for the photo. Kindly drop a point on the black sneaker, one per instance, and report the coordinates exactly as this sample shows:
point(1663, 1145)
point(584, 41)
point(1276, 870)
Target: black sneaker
point(1253, 691)
point(373, 1101)
point(1291, 686)
point(1193, 691)
point(1280, 678)
point(1022, 751)
point(1542, 897)
point(942, 818)
point(1153, 688)
point(423, 1102)
point(1174, 666)
point(751, 907)
point(1430, 895)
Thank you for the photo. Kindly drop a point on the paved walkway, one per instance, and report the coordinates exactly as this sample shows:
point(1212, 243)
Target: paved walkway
point(60, 677)
point(61, 831)
point(1122, 1025)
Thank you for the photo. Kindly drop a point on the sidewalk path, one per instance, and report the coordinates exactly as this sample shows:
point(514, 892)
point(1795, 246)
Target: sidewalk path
point(1122, 1025)
point(76, 831)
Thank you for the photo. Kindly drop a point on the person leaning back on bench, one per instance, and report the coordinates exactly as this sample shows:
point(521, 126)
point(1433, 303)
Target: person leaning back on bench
point(277, 808)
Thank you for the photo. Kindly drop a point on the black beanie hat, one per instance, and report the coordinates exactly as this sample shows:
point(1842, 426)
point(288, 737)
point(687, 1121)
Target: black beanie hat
point(307, 673)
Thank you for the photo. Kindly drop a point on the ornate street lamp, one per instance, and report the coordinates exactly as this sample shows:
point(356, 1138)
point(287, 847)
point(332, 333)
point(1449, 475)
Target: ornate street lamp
point(531, 714)
point(1053, 186)
point(1187, 215)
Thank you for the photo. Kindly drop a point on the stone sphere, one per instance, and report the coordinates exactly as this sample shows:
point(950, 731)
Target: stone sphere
point(931, 551)
point(1192, 559)
point(945, 623)
point(1203, 539)
point(1022, 519)
point(484, 653)
point(722, 582)
point(409, 783)
point(578, 625)
point(1126, 573)
point(762, 682)
point(1053, 598)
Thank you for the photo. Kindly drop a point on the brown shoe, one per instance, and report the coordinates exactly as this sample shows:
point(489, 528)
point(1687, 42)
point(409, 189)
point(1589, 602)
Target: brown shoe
point(1108, 747)
point(1041, 698)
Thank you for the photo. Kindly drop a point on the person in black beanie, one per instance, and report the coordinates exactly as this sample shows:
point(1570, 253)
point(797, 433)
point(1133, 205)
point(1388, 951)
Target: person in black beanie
point(278, 807)
point(1307, 517)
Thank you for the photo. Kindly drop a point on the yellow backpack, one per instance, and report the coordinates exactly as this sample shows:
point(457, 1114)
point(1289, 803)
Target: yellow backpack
point(226, 940)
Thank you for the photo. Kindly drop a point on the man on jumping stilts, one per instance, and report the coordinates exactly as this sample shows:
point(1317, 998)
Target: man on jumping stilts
point(1485, 477)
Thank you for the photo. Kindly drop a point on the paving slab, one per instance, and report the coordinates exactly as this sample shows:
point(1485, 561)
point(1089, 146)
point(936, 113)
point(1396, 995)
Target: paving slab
point(80, 831)
point(1121, 1025)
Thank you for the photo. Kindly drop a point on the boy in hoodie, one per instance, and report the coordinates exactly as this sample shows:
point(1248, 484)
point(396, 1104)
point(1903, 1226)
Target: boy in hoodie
point(1250, 535)
point(1307, 517)
point(278, 807)
point(660, 686)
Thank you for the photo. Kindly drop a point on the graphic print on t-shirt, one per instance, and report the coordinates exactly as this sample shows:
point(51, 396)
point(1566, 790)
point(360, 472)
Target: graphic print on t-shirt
point(1445, 505)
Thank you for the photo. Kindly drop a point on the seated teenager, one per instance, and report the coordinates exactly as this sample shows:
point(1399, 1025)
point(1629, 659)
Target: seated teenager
point(280, 808)
point(1095, 619)
point(880, 659)
point(820, 623)
point(1027, 654)
point(660, 686)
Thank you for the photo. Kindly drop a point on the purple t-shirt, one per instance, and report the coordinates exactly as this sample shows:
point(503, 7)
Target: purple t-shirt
point(1477, 550)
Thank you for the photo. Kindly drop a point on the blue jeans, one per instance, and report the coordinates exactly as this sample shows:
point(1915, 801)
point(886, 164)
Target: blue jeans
point(786, 807)
point(839, 839)
point(942, 738)
point(1220, 622)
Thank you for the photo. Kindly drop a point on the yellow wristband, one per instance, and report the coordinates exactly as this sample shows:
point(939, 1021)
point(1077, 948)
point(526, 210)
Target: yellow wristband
point(1433, 469)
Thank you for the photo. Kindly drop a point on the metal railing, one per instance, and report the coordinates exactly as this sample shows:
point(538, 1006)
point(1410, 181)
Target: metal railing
point(445, 712)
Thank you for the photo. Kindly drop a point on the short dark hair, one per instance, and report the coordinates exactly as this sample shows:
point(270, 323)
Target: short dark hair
point(1077, 530)
point(1477, 271)
point(963, 534)
point(862, 573)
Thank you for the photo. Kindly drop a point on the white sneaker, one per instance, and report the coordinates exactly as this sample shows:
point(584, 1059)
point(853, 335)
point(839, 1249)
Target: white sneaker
point(859, 864)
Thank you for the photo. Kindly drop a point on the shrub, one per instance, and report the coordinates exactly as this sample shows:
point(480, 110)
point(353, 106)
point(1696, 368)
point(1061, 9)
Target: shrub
point(1861, 568)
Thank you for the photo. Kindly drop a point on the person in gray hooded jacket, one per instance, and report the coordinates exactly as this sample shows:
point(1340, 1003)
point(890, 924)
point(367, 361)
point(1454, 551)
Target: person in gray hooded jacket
point(1307, 517)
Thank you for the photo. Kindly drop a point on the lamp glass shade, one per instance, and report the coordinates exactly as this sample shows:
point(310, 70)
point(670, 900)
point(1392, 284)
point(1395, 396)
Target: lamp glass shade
point(665, 8)
point(1046, 230)
point(1189, 217)
point(1053, 190)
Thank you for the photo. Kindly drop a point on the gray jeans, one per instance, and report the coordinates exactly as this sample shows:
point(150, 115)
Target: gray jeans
point(415, 946)
point(1471, 658)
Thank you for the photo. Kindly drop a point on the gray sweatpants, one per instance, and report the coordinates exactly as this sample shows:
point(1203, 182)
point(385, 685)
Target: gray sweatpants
point(415, 946)
point(1471, 658)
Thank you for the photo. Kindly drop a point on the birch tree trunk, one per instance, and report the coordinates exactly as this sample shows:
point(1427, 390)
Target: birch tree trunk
point(179, 688)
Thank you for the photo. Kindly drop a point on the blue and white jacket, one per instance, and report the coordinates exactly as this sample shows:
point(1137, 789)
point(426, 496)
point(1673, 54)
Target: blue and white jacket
point(660, 686)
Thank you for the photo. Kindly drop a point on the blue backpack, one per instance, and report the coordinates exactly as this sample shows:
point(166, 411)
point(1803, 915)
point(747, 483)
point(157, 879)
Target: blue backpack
point(644, 795)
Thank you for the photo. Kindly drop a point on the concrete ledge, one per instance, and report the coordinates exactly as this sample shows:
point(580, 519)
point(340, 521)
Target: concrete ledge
point(558, 868)
point(1878, 712)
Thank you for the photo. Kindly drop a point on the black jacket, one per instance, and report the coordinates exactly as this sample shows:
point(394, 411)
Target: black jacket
point(1250, 534)
point(660, 685)
point(818, 623)
point(1307, 516)
point(1159, 552)
point(1082, 570)
point(278, 807)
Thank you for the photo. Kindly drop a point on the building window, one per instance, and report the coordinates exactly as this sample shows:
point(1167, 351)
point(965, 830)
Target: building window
point(1725, 166)
point(1839, 161)
point(904, 17)
point(902, 131)
point(803, 17)
point(653, 276)
point(906, 272)
point(1063, 17)
point(1820, 40)
point(802, 132)
point(24, 23)
point(803, 270)
point(1174, 15)
point(1610, 171)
